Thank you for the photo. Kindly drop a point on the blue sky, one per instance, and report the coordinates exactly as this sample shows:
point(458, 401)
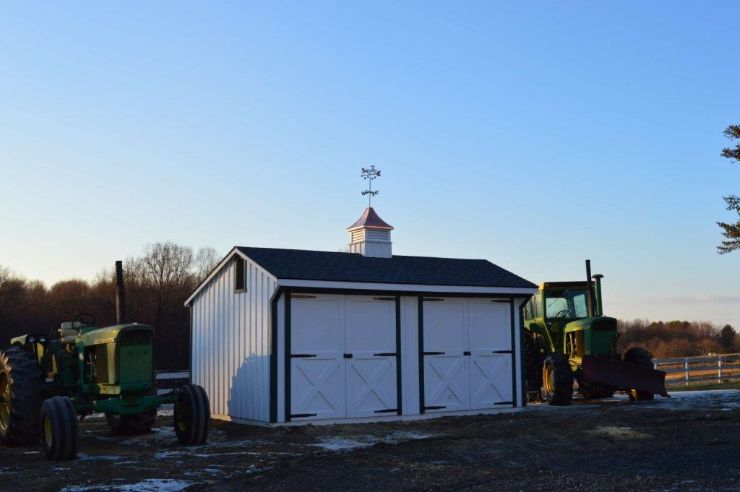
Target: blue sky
point(532, 134)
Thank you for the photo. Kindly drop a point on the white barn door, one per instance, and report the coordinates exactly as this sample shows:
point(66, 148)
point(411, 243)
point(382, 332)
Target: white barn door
point(467, 354)
point(343, 356)
point(317, 378)
point(446, 381)
point(371, 363)
point(489, 331)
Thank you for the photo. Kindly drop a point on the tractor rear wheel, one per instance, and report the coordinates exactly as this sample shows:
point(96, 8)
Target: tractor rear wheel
point(192, 415)
point(131, 425)
point(557, 380)
point(640, 357)
point(59, 428)
point(21, 387)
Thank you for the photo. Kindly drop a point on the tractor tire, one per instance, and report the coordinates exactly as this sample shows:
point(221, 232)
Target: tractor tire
point(131, 425)
point(533, 361)
point(21, 396)
point(557, 380)
point(60, 429)
point(192, 415)
point(640, 357)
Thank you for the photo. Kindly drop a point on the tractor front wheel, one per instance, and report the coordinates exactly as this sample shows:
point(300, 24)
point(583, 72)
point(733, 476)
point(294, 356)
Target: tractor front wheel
point(131, 425)
point(639, 357)
point(192, 415)
point(21, 386)
point(59, 428)
point(557, 380)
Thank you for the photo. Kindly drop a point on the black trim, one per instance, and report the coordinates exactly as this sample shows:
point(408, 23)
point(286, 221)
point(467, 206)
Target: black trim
point(302, 415)
point(437, 407)
point(399, 372)
point(288, 416)
point(435, 353)
point(385, 354)
point(274, 354)
point(501, 352)
point(521, 351)
point(420, 301)
point(504, 403)
point(348, 356)
point(503, 297)
point(512, 352)
point(387, 410)
point(302, 356)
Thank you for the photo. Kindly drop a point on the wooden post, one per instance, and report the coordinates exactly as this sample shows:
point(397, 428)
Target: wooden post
point(719, 368)
point(120, 294)
point(686, 369)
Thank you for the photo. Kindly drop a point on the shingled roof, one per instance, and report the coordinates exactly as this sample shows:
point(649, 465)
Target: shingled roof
point(350, 267)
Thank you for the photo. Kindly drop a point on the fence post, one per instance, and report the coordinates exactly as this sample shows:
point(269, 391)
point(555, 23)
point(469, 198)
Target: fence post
point(686, 369)
point(719, 368)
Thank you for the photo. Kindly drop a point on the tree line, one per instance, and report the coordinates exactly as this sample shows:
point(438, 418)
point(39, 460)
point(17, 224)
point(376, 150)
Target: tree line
point(677, 338)
point(165, 274)
point(157, 283)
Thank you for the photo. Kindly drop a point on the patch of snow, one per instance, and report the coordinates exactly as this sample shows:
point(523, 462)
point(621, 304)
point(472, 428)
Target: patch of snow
point(616, 432)
point(99, 457)
point(336, 443)
point(148, 485)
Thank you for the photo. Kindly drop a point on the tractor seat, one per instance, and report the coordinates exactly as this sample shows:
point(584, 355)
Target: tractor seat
point(69, 330)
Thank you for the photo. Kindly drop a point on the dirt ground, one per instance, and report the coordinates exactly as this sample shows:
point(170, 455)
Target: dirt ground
point(689, 442)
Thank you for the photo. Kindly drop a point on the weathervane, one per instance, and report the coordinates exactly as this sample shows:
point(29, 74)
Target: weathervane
point(370, 175)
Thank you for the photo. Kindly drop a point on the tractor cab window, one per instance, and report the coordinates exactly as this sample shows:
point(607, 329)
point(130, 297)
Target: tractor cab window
point(566, 303)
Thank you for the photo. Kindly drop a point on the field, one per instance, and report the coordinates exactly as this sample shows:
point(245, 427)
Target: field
point(689, 442)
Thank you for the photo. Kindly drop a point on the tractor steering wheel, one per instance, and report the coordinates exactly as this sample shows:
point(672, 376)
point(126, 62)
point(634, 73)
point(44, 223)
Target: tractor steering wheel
point(562, 314)
point(86, 319)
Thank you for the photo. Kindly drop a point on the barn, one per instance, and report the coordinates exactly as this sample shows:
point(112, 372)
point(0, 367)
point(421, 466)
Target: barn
point(288, 335)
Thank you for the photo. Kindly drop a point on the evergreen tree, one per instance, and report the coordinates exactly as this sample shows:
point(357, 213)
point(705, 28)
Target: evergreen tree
point(731, 231)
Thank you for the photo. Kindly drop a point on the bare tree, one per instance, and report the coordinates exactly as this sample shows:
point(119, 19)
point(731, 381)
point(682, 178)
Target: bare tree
point(205, 261)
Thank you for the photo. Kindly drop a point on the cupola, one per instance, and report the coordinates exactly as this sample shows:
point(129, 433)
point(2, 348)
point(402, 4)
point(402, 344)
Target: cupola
point(370, 236)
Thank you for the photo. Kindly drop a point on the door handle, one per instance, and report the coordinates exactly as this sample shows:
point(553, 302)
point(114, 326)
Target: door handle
point(348, 356)
point(467, 352)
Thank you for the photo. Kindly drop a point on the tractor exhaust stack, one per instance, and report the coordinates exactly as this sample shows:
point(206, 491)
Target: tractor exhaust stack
point(589, 291)
point(120, 294)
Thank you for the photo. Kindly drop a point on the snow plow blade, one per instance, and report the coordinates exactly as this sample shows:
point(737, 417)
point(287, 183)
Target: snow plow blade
point(622, 375)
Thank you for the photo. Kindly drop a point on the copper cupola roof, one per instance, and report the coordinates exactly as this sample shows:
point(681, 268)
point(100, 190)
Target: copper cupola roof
point(371, 220)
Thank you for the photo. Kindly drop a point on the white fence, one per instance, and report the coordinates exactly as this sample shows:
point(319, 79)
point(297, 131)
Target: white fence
point(685, 370)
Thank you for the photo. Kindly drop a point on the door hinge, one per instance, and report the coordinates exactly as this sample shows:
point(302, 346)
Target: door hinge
point(433, 353)
point(504, 403)
point(385, 354)
point(301, 356)
point(501, 352)
point(467, 352)
point(302, 296)
point(387, 410)
point(384, 298)
point(348, 356)
point(437, 407)
point(301, 415)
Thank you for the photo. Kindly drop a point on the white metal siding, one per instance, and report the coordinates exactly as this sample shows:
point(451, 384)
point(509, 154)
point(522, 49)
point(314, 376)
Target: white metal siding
point(231, 352)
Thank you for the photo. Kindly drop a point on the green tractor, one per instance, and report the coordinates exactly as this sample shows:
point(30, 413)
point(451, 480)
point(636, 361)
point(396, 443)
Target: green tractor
point(46, 383)
point(567, 338)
